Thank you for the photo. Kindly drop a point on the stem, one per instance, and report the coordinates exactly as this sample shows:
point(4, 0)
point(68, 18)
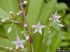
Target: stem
point(20, 23)
point(4, 36)
point(24, 15)
point(22, 11)
point(31, 40)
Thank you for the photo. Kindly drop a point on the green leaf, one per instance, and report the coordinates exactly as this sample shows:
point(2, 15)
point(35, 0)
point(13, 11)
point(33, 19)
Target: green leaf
point(2, 30)
point(61, 6)
point(5, 42)
point(56, 42)
point(37, 41)
point(2, 51)
point(47, 11)
point(33, 11)
point(7, 6)
point(4, 14)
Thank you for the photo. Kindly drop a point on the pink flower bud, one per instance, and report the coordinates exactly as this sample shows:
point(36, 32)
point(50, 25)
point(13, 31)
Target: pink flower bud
point(18, 14)
point(27, 37)
point(50, 19)
point(60, 25)
point(22, 32)
point(49, 31)
point(25, 2)
point(9, 30)
point(8, 19)
point(11, 13)
point(33, 26)
point(25, 25)
point(7, 47)
point(11, 48)
point(22, 50)
point(3, 20)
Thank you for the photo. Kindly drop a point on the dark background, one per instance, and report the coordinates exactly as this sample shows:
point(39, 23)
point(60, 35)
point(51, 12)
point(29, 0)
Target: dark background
point(67, 2)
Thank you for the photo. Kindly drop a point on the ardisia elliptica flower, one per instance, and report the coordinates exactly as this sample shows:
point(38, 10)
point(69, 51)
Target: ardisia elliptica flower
point(60, 25)
point(25, 2)
point(9, 30)
point(19, 42)
point(3, 20)
point(55, 17)
point(38, 27)
point(11, 13)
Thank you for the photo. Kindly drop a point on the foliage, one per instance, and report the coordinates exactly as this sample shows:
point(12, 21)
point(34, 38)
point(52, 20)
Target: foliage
point(33, 12)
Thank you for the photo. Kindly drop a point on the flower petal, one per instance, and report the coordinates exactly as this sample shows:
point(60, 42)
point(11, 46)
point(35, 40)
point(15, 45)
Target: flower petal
point(59, 16)
point(18, 39)
point(54, 20)
point(21, 45)
point(17, 46)
point(14, 42)
point(55, 13)
point(42, 26)
point(38, 23)
point(58, 20)
point(40, 31)
point(35, 30)
point(22, 41)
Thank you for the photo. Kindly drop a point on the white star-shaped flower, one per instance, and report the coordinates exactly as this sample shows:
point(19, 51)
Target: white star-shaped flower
point(55, 17)
point(19, 42)
point(38, 27)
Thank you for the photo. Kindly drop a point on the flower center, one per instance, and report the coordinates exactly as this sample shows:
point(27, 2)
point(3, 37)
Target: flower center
point(38, 27)
point(19, 42)
point(56, 17)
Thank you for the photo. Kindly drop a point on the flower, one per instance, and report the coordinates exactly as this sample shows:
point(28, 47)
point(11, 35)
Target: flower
point(49, 31)
point(25, 2)
point(11, 13)
point(19, 42)
point(18, 14)
point(11, 48)
point(7, 47)
point(27, 37)
point(60, 25)
point(3, 20)
point(55, 17)
point(9, 30)
point(22, 32)
point(38, 28)
point(8, 19)
point(50, 19)
point(25, 25)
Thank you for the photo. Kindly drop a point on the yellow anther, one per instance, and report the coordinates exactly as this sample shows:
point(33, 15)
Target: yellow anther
point(38, 27)
point(18, 42)
point(56, 17)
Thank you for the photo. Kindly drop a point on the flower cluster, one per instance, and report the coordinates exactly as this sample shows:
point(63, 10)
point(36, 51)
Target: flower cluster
point(38, 28)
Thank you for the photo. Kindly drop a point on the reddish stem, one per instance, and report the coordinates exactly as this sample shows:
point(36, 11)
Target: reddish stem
point(24, 14)
point(20, 23)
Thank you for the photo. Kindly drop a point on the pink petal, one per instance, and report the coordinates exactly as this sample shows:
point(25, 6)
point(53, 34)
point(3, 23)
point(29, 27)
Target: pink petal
point(40, 31)
point(17, 46)
point(18, 39)
point(21, 45)
point(14, 42)
point(55, 13)
point(22, 41)
point(42, 26)
point(38, 23)
point(59, 16)
point(35, 30)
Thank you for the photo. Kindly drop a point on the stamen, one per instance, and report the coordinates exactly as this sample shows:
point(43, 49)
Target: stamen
point(56, 17)
point(38, 27)
point(19, 42)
